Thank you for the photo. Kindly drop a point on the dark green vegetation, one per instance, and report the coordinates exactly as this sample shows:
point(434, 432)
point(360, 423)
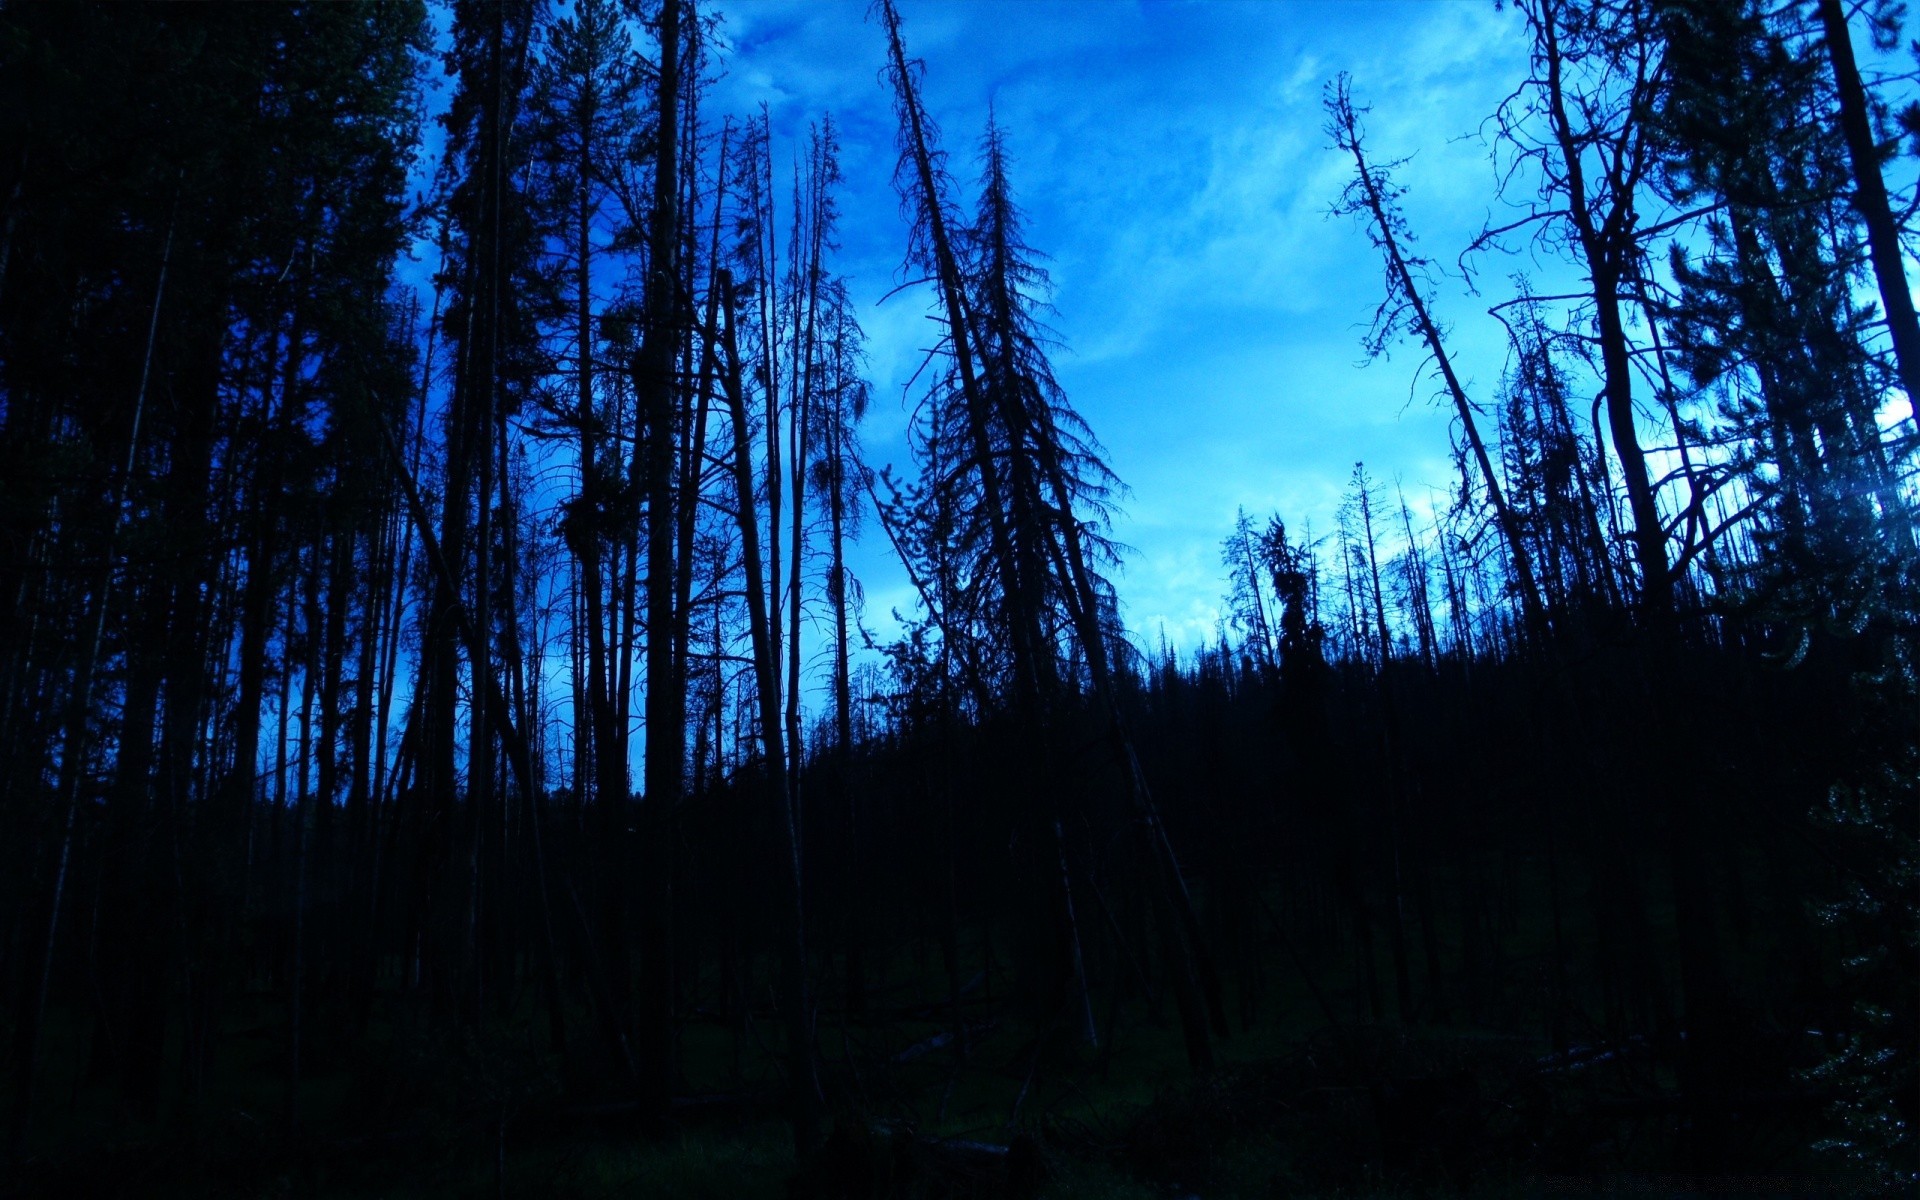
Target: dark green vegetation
point(1565, 833)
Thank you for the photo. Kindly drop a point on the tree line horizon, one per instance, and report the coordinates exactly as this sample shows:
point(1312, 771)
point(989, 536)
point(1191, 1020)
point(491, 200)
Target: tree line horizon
point(336, 604)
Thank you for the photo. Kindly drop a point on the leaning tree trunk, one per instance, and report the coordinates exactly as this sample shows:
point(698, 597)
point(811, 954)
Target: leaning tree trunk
point(1870, 197)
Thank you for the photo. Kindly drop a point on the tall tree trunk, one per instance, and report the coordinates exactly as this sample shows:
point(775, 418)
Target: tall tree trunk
point(303, 820)
point(1607, 247)
point(1396, 784)
point(665, 708)
point(74, 750)
point(1377, 204)
point(853, 874)
point(1870, 197)
point(946, 266)
point(802, 1073)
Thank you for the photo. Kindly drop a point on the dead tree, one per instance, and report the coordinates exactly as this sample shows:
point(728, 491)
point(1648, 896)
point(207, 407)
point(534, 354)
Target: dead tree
point(1372, 192)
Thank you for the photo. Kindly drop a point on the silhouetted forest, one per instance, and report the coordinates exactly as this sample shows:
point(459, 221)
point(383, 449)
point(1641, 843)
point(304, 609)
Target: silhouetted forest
point(443, 750)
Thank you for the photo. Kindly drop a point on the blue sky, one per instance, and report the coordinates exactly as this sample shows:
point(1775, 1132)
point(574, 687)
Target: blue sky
point(1170, 158)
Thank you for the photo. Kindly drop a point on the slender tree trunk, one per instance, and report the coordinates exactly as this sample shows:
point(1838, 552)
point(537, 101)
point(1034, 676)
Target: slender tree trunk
point(74, 749)
point(1377, 207)
point(1870, 197)
point(803, 1079)
point(952, 293)
point(854, 874)
point(1396, 784)
point(800, 426)
point(665, 709)
point(1607, 247)
point(302, 822)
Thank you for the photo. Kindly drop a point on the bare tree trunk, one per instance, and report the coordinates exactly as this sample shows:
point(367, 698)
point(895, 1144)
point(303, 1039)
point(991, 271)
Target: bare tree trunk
point(74, 748)
point(952, 293)
point(1607, 248)
point(854, 872)
point(302, 820)
point(665, 703)
point(1870, 197)
point(1396, 912)
point(693, 461)
point(803, 1078)
point(800, 425)
point(1347, 129)
point(518, 756)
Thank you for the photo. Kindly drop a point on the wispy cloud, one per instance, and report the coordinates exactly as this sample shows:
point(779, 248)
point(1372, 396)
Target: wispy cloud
point(1172, 163)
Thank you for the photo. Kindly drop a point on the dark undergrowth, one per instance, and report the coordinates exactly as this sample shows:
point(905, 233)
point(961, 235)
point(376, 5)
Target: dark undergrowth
point(1297, 1108)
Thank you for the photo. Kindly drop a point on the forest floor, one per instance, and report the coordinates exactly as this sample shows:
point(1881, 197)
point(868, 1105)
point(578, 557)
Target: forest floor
point(1297, 1106)
point(1294, 1108)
